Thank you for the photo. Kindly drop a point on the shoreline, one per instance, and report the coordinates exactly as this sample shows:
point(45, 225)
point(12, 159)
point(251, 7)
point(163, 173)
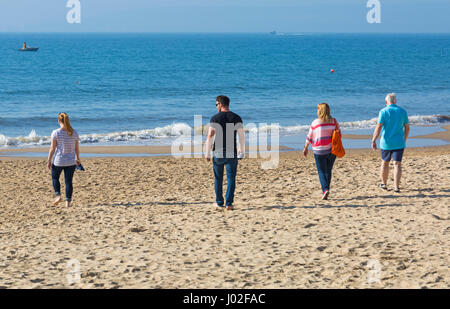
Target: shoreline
point(165, 151)
point(443, 135)
point(142, 152)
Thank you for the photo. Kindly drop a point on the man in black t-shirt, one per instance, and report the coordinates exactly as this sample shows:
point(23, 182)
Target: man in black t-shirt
point(224, 126)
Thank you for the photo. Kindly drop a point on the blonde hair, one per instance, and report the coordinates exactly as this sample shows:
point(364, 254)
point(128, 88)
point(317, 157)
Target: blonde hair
point(64, 119)
point(323, 111)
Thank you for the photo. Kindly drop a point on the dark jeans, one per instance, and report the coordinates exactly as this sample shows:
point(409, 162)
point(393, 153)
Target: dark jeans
point(231, 167)
point(68, 177)
point(324, 165)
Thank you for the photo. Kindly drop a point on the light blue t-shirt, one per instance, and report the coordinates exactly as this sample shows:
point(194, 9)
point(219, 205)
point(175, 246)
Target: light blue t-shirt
point(393, 119)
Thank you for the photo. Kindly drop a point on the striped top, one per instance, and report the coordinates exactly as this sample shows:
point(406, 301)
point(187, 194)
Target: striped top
point(320, 136)
point(65, 147)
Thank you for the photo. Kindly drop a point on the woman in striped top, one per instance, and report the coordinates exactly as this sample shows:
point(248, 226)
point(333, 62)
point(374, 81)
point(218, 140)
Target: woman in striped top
point(64, 155)
point(320, 137)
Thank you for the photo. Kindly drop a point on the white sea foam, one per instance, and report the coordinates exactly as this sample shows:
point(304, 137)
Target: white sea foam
point(33, 139)
point(182, 129)
point(371, 123)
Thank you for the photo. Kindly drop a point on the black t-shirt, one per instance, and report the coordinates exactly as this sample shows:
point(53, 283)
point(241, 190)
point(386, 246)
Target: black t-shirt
point(226, 125)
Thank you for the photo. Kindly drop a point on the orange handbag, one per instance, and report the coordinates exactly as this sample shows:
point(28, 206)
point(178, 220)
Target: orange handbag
point(336, 144)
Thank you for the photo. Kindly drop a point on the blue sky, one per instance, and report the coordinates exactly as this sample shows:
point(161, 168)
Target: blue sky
point(225, 16)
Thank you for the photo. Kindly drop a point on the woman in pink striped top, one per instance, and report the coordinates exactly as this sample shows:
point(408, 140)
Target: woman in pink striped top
point(320, 137)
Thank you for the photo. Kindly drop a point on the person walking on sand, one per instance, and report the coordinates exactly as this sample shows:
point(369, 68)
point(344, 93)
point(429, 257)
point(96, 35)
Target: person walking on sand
point(224, 127)
point(393, 125)
point(64, 155)
point(320, 137)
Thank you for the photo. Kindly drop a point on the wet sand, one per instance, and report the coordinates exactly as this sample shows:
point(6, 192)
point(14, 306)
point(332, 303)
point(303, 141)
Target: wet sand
point(151, 223)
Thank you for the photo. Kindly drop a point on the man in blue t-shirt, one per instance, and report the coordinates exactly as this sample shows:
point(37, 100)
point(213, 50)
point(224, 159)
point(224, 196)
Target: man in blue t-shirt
point(393, 125)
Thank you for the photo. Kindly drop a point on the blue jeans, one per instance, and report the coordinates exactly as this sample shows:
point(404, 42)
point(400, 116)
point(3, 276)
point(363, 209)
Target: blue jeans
point(324, 165)
point(231, 167)
point(68, 177)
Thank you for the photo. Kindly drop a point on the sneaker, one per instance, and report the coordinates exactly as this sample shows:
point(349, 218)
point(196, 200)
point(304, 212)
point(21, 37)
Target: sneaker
point(219, 206)
point(230, 207)
point(397, 190)
point(325, 195)
point(382, 186)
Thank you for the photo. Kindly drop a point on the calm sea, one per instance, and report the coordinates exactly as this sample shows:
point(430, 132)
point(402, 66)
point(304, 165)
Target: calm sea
point(146, 88)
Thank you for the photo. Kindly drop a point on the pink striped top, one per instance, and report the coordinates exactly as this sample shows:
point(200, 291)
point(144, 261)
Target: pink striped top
point(320, 136)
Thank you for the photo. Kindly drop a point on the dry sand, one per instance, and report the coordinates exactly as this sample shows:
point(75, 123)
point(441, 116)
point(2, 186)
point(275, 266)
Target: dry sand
point(150, 223)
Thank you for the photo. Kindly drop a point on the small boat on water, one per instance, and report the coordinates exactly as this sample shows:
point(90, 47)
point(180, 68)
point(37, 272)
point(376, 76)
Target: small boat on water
point(28, 48)
point(33, 49)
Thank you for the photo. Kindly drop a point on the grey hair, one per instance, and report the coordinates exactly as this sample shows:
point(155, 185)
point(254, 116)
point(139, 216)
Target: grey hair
point(391, 98)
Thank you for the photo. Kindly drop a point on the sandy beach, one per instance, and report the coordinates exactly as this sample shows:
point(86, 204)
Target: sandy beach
point(151, 223)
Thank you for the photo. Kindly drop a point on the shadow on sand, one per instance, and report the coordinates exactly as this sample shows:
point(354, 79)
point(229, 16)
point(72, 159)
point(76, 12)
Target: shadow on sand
point(139, 204)
point(281, 207)
point(319, 205)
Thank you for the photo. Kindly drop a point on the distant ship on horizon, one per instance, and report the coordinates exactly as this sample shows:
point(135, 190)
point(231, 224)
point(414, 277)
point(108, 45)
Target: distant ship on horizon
point(273, 32)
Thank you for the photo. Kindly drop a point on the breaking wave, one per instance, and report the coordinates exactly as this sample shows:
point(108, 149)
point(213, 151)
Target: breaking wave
point(182, 129)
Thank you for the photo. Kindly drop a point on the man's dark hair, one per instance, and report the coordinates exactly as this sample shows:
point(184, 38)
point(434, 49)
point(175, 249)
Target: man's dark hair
point(224, 100)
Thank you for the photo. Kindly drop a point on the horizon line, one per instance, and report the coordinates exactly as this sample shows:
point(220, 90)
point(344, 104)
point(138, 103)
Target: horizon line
point(215, 32)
